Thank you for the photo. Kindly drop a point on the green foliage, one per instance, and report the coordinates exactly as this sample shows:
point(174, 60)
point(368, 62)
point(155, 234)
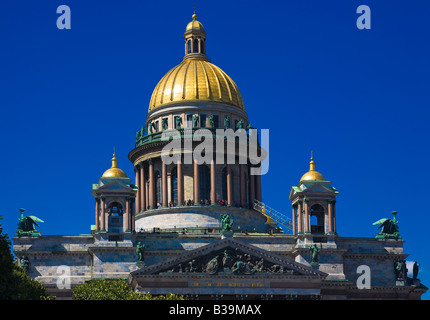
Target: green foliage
point(15, 284)
point(114, 289)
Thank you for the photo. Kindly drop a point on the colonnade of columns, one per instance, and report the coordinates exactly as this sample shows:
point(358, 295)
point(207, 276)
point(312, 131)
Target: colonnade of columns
point(146, 199)
point(301, 217)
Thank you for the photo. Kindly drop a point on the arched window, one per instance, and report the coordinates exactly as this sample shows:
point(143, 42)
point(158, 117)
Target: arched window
point(174, 185)
point(224, 184)
point(195, 45)
point(205, 183)
point(189, 46)
point(115, 209)
point(158, 186)
point(317, 219)
point(115, 212)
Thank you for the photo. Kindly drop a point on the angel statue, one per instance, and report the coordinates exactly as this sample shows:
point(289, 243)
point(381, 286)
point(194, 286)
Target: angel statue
point(26, 225)
point(389, 228)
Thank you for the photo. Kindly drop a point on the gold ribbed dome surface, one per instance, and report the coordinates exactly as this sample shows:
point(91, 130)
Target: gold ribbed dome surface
point(196, 80)
point(312, 174)
point(114, 171)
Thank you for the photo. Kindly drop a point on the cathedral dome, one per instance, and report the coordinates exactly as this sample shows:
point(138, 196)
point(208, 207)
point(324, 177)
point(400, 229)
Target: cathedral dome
point(196, 80)
point(114, 171)
point(312, 174)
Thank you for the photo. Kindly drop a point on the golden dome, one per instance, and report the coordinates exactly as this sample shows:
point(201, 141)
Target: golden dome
point(312, 175)
point(195, 25)
point(114, 171)
point(196, 80)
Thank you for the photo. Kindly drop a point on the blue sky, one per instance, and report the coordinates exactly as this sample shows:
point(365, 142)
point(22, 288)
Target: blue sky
point(358, 98)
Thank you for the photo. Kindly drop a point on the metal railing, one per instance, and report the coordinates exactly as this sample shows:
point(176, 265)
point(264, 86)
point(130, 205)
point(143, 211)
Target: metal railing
point(272, 213)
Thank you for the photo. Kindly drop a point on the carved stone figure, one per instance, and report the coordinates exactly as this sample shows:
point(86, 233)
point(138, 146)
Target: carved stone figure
point(241, 267)
point(227, 260)
point(24, 263)
point(400, 270)
point(212, 266)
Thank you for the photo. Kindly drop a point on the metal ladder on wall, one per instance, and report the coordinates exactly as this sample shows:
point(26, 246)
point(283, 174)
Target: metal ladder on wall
point(272, 213)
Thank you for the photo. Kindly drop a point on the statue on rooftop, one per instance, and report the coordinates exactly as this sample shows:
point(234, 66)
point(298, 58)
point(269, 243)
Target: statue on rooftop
point(226, 222)
point(389, 228)
point(314, 253)
point(26, 225)
point(139, 250)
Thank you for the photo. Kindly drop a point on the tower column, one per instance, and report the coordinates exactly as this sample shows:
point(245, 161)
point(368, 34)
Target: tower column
point(213, 183)
point(229, 186)
point(330, 218)
point(127, 214)
point(334, 216)
point(180, 182)
point(294, 220)
point(102, 204)
point(196, 184)
point(164, 183)
point(300, 217)
point(142, 189)
point(151, 185)
point(307, 229)
point(132, 222)
point(138, 184)
point(97, 214)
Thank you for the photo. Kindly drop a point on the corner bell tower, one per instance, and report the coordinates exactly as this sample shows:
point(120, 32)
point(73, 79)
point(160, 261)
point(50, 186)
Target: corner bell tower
point(115, 198)
point(313, 202)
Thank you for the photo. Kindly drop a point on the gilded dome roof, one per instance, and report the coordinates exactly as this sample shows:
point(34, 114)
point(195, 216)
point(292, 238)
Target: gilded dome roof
point(196, 80)
point(114, 171)
point(312, 175)
point(195, 25)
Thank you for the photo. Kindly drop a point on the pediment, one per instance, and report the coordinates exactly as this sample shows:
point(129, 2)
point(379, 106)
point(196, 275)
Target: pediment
point(226, 257)
point(115, 186)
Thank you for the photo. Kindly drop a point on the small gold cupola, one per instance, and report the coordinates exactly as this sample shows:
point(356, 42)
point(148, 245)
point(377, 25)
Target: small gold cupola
point(312, 174)
point(195, 40)
point(114, 171)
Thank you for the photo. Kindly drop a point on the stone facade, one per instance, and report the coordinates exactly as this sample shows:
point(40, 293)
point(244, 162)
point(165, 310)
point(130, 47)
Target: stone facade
point(98, 256)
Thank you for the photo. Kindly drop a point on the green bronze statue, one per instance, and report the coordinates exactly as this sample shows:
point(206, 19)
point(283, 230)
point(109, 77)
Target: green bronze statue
point(139, 250)
point(389, 228)
point(314, 254)
point(226, 223)
point(26, 225)
point(227, 122)
point(195, 121)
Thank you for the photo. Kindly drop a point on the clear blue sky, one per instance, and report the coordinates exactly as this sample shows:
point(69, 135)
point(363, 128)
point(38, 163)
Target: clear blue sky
point(358, 98)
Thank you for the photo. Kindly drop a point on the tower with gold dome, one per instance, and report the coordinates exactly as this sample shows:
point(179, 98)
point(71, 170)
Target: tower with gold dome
point(313, 202)
point(115, 201)
point(192, 96)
